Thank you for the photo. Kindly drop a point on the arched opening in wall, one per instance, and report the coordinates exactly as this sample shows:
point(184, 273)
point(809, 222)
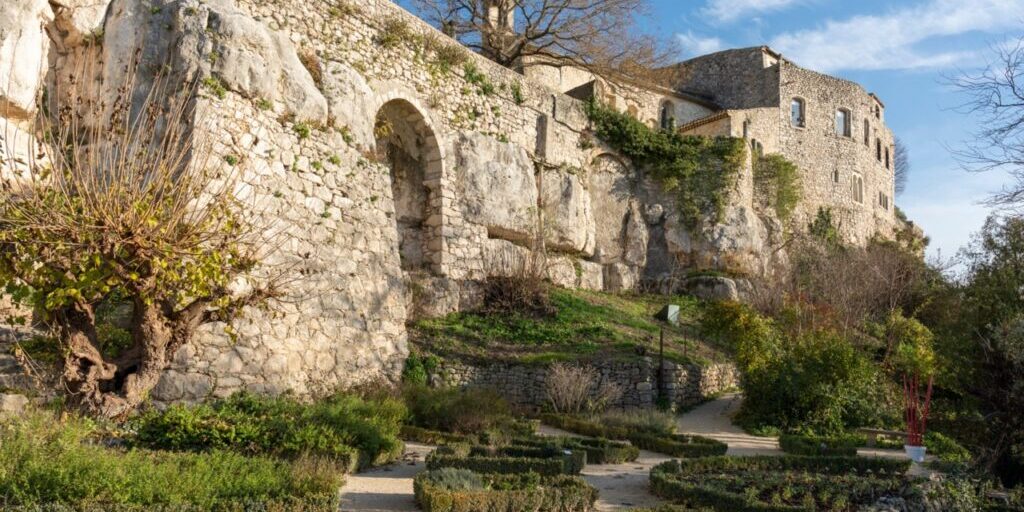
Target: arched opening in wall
point(667, 116)
point(407, 143)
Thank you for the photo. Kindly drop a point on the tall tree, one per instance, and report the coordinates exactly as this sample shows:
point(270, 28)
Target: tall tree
point(599, 35)
point(995, 95)
point(901, 166)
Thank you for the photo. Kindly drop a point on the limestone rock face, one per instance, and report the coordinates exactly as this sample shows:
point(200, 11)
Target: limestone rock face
point(347, 100)
point(713, 288)
point(495, 186)
point(23, 49)
point(739, 244)
point(635, 244)
point(610, 191)
point(77, 20)
point(568, 218)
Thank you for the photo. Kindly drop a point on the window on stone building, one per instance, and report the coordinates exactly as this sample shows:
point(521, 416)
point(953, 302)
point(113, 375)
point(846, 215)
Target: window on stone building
point(878, 149)
point(843, 122)
point(746, 129)
point(867, 133)
point(883, 201)
point(835, 175)
point(886, 158)
point(858, 188)
point(666, 116)
point(797, 113)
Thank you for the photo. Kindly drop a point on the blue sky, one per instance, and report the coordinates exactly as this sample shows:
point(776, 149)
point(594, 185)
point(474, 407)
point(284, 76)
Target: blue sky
point(901, 51)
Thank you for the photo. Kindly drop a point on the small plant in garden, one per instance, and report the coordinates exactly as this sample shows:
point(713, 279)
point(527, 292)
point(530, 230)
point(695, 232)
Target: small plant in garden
point(576, 389)
point(161, 232)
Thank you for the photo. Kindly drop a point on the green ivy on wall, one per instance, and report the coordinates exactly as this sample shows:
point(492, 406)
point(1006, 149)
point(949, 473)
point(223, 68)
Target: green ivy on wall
point(701, 171)
point(777, 182)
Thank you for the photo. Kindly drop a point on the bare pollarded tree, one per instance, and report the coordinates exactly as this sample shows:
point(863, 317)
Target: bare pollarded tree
point(995, 95)
point(599, 35)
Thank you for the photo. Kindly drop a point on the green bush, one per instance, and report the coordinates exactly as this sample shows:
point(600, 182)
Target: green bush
point(417, 369)
point(814, 382)
point(777, 183)
point(507, 493)
point(650, 421)
point(545, 461)
point(946, 448)
point(45, 462)
point(354, 431)
point(839, 445)
point(779, 484)
point(599, 451)
point(461, 411)
point(434, 437)
point(677, 445)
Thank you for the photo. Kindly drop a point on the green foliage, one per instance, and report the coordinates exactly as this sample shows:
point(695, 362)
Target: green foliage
point(49, 462)
point(302, 130)
point(815, 381)
point(417, 368)
point(844, 445)
point(546, 461)
point(353, 431)
point(394, 32)
point(517, 93)
point(508, 493)
point(946, 448)
point(462, 411)
point(700, 170)
point(649, 421)
point(779, 484)
point(215, 86)
point(913, 343)
point(599, 451)
point(676, 445)
point(823, 228)
point(474, 76)
point(454, 479)
point(434, 437)
point(777, 181)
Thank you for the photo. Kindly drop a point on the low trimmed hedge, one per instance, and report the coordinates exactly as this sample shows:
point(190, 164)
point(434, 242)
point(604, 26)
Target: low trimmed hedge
point(824, 446)
point(433, 437)
point(676, 445)
point(545, 461)
point(779, 484)
point(507, 493)
point(599, 451)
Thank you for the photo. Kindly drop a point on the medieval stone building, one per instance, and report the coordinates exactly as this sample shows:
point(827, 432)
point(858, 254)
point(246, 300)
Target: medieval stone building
point(403, 170)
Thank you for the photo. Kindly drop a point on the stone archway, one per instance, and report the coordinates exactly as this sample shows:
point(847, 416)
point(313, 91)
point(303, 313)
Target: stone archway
point(406, 142)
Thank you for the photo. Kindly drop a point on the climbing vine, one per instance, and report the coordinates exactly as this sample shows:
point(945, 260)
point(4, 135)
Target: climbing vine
point(777, 183)
point(700, 170)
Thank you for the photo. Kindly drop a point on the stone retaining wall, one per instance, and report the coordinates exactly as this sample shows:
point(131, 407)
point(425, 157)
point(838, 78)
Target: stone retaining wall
point(525, 384)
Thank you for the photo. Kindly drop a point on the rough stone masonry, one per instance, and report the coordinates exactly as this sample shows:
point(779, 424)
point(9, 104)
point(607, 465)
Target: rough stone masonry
point(400, 170)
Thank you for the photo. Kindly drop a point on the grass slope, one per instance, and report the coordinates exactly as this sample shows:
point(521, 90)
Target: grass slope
point(589, 325)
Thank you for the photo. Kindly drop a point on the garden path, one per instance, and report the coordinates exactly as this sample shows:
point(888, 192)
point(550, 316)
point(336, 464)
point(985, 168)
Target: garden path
point(714, 420)
point(387, 488)
point(619, 486)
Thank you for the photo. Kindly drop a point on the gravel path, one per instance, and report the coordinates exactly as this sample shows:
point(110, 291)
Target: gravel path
point(714, 420)
point(388, 488)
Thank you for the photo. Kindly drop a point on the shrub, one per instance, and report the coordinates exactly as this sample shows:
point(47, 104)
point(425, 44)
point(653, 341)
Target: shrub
point(417, 369)
point(454, 479)
point(946, 448)
point(839, 445)
point(777, 183)
point(575, 389)
point(599, 451)
point(677, 445)
point(46, 462)
point(461, 411)
point(508, 459)
point(427, 436)
point(508, 493)
point(353, 431)
point(650, 421)
point(778, 484)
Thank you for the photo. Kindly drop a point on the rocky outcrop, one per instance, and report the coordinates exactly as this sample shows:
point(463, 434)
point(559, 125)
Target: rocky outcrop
point(23, 50)
point(568, 217)
point(496, 186)
point(77, 22)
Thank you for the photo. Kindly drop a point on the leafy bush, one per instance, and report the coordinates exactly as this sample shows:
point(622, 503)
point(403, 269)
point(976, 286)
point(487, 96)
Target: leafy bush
point(777, 182)
point(650, 421)
point(462, 411)
point(434, 437)
point(48, 462)
point(508, 493)
point(575, 389)
point(946, 448)
point(546, 461)
point(839, 445)
point(354, 431)
point(778, 484)
point(677, 445)
point(816, 381)
point(454, 479)
point(417, 369)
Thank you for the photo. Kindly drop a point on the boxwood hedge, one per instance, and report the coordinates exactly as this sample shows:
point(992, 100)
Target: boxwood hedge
point(779, 484)
point(676, 445)
point(547, 461)
point(843, 445)
point(599, 451)
point(507, 493)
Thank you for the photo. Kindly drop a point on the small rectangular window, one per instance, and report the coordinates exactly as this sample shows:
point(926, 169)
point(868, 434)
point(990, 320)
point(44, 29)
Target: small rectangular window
point(796, 113)
point(843, 123)
point(858, 189)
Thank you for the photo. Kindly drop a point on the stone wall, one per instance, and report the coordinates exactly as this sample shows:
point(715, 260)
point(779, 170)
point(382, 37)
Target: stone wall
point(525, 385)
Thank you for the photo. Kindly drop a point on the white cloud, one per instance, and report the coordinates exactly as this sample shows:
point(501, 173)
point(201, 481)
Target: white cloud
point(725, 11)
point(887, 41)
point(695, 45)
